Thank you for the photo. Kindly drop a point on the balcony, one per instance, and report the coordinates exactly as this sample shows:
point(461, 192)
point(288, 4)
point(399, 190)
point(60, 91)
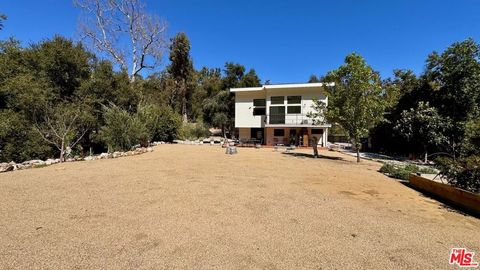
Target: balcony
point(290, 120)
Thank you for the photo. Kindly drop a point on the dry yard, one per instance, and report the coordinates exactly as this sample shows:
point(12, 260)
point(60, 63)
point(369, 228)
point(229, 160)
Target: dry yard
point(186, 206)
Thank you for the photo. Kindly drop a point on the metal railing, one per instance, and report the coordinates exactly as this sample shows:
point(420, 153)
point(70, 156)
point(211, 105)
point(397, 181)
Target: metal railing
point(288, 119)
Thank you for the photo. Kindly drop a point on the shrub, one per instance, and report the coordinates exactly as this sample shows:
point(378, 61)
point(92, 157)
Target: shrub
point(463, 173)
point(161, 124)
point(122, 130)
point(193, 131)
point(404, 171)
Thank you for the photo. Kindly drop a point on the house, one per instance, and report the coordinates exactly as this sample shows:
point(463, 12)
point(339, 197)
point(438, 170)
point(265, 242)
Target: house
point(277, 114)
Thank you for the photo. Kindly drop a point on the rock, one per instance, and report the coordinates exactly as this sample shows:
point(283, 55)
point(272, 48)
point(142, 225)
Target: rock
point(6, 167)
point(116, 154)
point(89, 158)
point(20, 167)
point(70, 160)
point(48, 162)
point(150, 149)
point(34, 162)
point(103, 156)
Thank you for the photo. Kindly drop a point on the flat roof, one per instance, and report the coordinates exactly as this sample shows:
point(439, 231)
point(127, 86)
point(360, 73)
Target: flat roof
point(281, 86)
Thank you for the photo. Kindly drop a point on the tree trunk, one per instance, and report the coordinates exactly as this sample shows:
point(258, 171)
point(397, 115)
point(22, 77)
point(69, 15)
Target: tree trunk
point(426, 157)
point(62, 151)
point(358, 154)
point(184, 110)
point(315, 147)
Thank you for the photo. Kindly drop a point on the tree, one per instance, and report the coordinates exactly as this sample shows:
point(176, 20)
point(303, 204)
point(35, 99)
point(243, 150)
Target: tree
point(181, 70)
point(125, 32)
point(62, 127)
point(455, 77)
point(3, 17)
point(422, 126)
point(356, 100)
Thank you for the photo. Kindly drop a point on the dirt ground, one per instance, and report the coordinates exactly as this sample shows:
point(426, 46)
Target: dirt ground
point(193, 207)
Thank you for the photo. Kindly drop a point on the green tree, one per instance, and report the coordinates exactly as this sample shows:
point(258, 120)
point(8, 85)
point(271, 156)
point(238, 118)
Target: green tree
point(455, 77)
point(423, 126)
point(356, 100)
point(122, 130)
point(182, 72)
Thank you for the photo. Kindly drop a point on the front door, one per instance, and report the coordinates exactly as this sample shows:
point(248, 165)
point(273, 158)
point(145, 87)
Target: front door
point(257, 134)
point(277, 115)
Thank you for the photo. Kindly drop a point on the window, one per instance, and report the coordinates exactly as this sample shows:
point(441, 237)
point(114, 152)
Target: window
point(294, 99)
point(259, 102)
point(259, 107)
point(277, 100)
point(317, 131)
point(294, 109)
point(278, 132)
point(259, 111)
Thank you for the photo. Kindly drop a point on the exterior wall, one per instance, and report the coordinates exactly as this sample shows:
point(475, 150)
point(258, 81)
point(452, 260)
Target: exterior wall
point(244, 110)
point(244, 133)
point(244, 103)
point(270, 139)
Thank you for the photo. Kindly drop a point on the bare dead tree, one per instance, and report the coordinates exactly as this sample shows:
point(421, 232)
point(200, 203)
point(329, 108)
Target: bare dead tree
point(61, 128)
point(125, 32)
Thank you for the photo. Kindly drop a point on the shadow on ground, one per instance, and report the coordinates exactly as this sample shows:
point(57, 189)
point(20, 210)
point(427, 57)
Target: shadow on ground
point(445, 204)
point(305, 155)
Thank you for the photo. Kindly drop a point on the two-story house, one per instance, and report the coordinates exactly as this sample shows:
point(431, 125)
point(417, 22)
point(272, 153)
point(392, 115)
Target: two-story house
point(277, 114)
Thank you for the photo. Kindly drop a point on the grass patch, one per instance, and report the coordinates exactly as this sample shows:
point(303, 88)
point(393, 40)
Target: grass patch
point(403, 171)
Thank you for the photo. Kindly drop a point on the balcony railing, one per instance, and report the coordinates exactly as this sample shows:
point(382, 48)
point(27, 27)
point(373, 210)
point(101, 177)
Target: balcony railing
point(289, 119)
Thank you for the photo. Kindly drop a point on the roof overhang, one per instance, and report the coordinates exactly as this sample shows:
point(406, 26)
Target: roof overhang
point(281, 86)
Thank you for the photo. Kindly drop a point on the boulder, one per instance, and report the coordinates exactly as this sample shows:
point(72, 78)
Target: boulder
point(6, 167)
point(34, 162)
point(103, 156)
point(89, 158)
point(149, 149)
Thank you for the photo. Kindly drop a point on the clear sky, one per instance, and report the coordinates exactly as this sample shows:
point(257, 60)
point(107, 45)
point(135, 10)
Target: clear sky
point(284, 41)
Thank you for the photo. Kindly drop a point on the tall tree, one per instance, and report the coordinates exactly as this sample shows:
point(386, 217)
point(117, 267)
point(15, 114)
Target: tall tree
point(125, 32)
point(455, 77)
point(181, 70)
point(423, 126)
point(356, 100)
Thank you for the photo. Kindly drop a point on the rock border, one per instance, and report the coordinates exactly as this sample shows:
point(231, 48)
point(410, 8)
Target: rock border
point(37, 163)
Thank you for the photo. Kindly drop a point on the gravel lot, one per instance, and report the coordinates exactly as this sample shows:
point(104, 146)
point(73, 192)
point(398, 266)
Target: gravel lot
point(187, 206)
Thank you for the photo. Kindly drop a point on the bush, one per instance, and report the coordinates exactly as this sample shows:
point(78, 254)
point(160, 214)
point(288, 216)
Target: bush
point(193, 131)
point(161, 124)
point(404, 171)
point(463, 173)
point(122, 130)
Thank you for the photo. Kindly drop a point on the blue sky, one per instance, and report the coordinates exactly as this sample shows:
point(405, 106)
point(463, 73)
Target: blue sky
point(284, 41)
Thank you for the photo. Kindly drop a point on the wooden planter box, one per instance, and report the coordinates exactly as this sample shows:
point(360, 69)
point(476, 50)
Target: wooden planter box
point(459, 197)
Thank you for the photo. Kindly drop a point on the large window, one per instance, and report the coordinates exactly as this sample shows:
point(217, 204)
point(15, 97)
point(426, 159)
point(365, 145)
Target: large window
point(278, 132)
point(277, 100)
point(294, 99)
point(259, 107)
point(259, 102)
point(294, 109)
point(259, 111)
